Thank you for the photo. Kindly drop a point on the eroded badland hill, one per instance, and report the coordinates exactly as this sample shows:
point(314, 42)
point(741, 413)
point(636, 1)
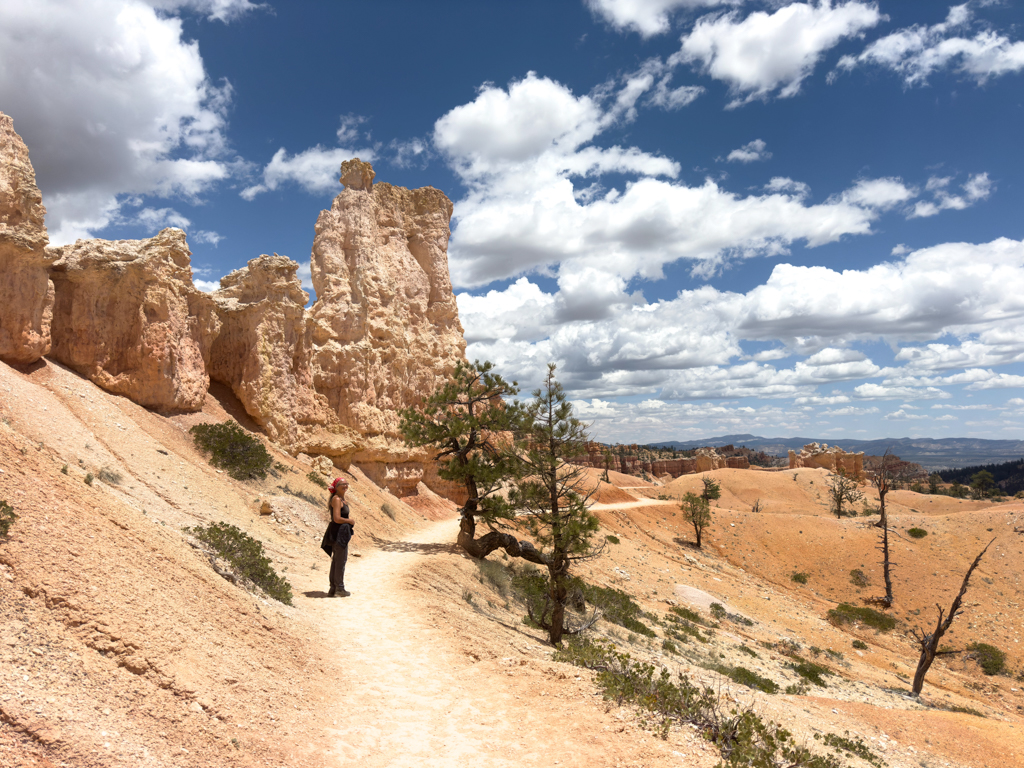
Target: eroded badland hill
point(121, 644)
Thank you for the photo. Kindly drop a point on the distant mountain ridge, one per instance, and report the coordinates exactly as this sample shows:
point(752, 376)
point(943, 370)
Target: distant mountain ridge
point(931, 453)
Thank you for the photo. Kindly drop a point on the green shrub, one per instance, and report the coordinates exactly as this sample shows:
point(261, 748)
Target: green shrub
point(232, 449)
point(860, 645)
point(89, 478)
point(686, 613)
point(7, 518)
point(917, 533)
point(110, 476)
point(611, 539)
point(748, 651)
point(855, 747)
point(246, 557)
point(857, 578)
point(991, 660)
point(389, 509)
point(749, 678)
point(718, 611)
point(669, 647)
point(741, 735)
point(813, 673)
point(798, 689)
point(317, 479)
point(844, 613)
point(616, 606)
point(800, 578)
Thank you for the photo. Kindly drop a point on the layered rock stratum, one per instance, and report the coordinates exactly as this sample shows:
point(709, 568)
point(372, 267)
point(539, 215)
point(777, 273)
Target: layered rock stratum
point(26, 294)
point(385, 327)
point(127, 316)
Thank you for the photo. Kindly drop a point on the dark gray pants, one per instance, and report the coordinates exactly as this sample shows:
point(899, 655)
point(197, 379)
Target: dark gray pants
point(339, 556)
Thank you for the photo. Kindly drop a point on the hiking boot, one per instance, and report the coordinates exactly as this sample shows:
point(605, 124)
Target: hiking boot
point(343, 593)
point(331, 591)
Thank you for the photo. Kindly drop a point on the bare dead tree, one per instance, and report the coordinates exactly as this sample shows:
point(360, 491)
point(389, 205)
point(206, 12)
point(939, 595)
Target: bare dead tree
point(892, 472)
point(929, 641)
point(887, 564)
point(842, 492)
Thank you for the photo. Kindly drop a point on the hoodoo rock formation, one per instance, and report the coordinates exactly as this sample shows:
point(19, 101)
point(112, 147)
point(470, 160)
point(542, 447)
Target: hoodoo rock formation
point(704, 460)
point(26, 294)
point(385, 327)
point(127, 316)
point(833, 459)
point(262, 351)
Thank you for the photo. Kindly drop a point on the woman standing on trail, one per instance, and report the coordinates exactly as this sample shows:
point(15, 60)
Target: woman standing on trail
point(337, 536)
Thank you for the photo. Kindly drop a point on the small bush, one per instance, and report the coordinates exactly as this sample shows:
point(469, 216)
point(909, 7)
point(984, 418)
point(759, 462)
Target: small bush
point(813, 673)
point(7, 518)
point(64, 469)
point(718, 611)
point(855, 747)
point(860, 645)
point(749, 651)
point(389, 509)
point(616, 606)
point(669, 647)
point(798, 689)
point(800, 578)
point(89, 478)
point(991, 660)
point(611, 539)
point(857, 578)
point(686, 613)
point(110, 476)
point(742, 737)
point(917, 533)
point(232, 449)
point(246, 557)
point(749, 678)
point(844, 613)
point(317, 479)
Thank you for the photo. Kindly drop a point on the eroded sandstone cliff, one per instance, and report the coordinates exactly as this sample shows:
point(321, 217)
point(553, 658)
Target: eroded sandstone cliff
point(833, 459)
point(262, 351)
point(385, 327)
point(127, 316)
point(26, 294)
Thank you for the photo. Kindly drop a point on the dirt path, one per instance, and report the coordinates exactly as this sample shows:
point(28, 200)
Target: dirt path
point(413, 696)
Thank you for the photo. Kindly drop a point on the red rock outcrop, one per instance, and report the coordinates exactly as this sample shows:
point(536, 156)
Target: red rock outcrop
point(833, 459)
point(262, 351)
point(127, 316)
point(385, 328)
point(26, 294)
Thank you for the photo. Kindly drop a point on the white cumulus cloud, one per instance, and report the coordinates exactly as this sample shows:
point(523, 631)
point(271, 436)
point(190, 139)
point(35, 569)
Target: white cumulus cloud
point(767, 54)
point(316, 169)
point(528, 157)
point(750, 152)
point(648, 17)
point(917, 52)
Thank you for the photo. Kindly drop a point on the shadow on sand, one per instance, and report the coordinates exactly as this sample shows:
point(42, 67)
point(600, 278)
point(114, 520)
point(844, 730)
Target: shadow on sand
point(387, 545)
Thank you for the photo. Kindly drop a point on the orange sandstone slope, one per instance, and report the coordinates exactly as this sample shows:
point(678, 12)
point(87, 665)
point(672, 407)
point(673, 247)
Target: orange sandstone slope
point(120, 645)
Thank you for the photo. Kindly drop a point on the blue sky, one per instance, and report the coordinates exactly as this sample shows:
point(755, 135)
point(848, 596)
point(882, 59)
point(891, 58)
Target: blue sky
point(715, 215)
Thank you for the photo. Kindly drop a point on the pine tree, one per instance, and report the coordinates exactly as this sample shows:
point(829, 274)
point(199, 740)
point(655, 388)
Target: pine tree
point(553, 495)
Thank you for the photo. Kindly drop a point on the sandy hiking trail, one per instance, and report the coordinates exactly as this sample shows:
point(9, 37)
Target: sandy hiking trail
point(411, 696)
